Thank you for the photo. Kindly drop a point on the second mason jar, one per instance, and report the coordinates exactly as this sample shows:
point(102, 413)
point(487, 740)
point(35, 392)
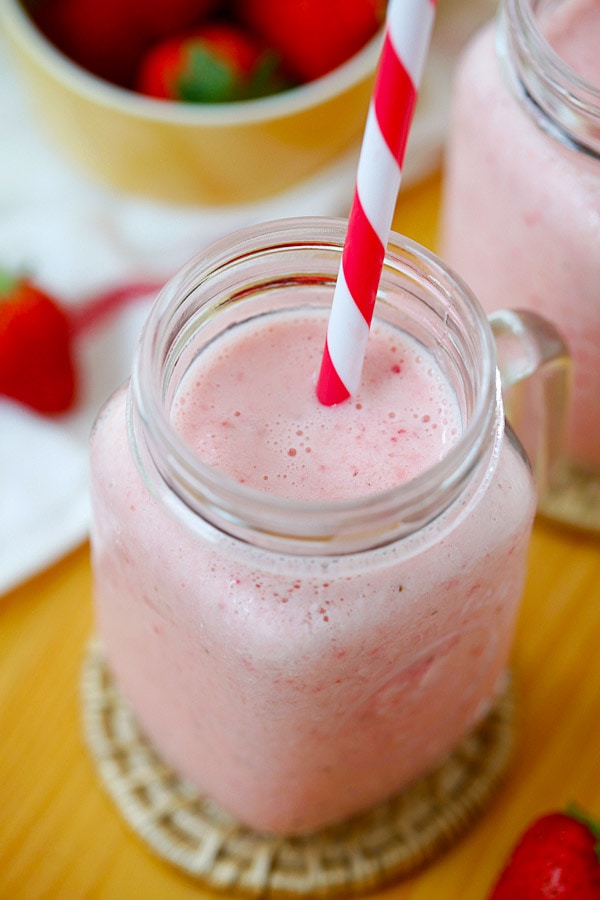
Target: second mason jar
point(521, 205)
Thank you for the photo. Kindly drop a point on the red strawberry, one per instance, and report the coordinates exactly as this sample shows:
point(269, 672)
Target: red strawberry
point(213, 64)
point(558, 856)
point(102, 36)
point(108, 37)
point(313, 37)
point(160, 19)
point(36, 366)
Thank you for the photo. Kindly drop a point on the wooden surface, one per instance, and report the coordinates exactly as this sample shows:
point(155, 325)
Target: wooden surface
point(60, 836)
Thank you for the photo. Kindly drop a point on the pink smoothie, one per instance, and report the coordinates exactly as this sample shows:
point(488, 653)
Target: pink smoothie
point(262, 424)
point(298, 690)
point(521, 211)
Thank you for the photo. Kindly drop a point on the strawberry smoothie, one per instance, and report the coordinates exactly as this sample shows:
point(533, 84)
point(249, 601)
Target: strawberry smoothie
point(297, 688)
point(521, 211)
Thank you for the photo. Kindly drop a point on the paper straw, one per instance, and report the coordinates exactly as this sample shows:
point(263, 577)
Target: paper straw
point(405, 45)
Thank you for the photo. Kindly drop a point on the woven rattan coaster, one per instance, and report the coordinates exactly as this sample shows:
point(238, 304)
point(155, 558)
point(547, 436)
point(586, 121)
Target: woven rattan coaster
point(366, 852)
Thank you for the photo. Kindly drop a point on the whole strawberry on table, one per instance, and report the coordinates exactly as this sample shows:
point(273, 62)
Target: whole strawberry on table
point(208, 51)
point(36, 359)
point(557, 856)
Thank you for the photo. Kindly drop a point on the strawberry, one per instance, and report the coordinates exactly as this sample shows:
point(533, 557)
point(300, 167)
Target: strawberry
point(213, 64)
point(100, 35)
point(313, 37)
point(159, 19)
point(108, 37)
point(36, 365)
point(558, 856)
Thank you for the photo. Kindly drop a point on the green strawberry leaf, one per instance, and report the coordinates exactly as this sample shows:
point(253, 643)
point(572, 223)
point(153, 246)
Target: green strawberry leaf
point(207, 79)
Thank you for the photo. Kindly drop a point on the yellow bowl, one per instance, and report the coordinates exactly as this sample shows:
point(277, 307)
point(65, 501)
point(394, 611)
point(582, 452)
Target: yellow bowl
point(191, 153)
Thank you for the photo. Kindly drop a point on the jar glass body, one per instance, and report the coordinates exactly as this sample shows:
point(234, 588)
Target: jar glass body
point(521, 204)
point(300, 662)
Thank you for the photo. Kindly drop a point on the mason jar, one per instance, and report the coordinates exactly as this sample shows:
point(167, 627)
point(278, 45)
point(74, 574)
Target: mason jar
point(521, 201)
point(302, 655)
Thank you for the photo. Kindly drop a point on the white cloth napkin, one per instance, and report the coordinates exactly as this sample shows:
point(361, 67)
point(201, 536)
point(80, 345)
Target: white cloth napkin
point(43, 491)
point(79, 238)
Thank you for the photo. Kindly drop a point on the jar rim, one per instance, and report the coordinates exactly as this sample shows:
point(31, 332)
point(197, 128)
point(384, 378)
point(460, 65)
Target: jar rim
point(563, 102)
point(199, 484)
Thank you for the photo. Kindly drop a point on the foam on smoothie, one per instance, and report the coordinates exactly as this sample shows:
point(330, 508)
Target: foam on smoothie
point(248, 407)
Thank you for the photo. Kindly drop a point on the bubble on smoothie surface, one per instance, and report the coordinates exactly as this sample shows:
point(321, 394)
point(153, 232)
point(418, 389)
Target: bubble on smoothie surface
point(248, 407)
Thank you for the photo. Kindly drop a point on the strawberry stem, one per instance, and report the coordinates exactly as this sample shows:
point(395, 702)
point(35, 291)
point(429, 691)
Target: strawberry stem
point(7, 282)
point(580, 815)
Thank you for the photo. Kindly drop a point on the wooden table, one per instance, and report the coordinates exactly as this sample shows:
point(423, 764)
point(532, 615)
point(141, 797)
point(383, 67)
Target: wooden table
point(60, 836)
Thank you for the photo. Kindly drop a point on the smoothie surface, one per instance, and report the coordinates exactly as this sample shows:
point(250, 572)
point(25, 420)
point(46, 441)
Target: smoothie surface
point(248, 407)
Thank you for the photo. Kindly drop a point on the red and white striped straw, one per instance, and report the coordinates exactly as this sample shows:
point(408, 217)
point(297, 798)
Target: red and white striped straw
point(406, 41)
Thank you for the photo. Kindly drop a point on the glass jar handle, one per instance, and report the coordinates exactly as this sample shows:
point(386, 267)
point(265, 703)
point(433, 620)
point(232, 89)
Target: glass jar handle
point(535, 372)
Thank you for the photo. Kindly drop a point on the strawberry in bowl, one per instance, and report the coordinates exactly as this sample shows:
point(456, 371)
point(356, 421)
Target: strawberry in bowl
point(311, 37)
